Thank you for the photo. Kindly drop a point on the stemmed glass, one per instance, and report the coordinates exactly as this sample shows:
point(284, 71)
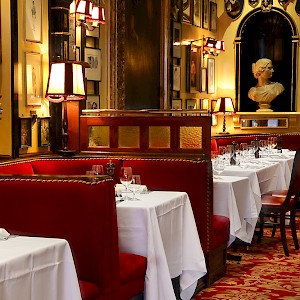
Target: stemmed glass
point(126, 179)
point(98, 169)
point(135, 186)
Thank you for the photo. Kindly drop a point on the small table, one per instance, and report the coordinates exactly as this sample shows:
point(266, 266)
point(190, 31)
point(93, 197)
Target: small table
point(37, 268)
point(161, 226)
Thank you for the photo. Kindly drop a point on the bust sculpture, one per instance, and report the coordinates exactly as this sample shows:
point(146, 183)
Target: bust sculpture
point(265, 90)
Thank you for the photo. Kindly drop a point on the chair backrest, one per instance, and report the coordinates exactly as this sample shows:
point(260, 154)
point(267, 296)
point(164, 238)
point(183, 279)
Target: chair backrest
point(294, 187)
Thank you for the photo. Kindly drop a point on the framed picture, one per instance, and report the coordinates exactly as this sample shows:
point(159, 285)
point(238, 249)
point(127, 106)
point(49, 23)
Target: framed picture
point(33, 21)
point(191, 103)
point(204, 104)
point(25, 132)
point(77, 54)
point(210, 75)
point(205, 14)
point(72, 39)
point(234, 9)
point(176, 77)
point(197, 13)
point(93, 58)
point(94, 33)
point(187, 11)
point(43, 132)
point(176, 40)
point(213, 105)
point(177, 103)
point(92, 102)
point(33, 78)
point(203, 80)
point(193, 68)
point(213, 16)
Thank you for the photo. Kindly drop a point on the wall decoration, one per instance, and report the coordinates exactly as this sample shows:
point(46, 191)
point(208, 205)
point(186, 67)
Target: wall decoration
point(253, 3)
point(33, 21)
point(93, 58)
point(176, 40)
point(213, 105)
point(33, 78)
point(25, 132)
point(191, 103)
point(77, 54)
point(176, 103)
point(234, 8)
point(92, 102)
point(186, 11)
point(266, 5)
point(94, 33)
point(204, 104)
point(210, 75)
point(43, 133)
point(176, 10)
point(213, 16)
point(204, 80)
point(176, 77)
point(193, 68)
point(197, 13)
point(205, 14)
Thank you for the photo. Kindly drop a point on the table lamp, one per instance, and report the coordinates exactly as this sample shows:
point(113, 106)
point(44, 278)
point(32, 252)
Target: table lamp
point(224, 107)
point(65, 83)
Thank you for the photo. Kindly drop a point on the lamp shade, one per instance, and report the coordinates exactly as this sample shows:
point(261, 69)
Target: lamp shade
point(84, 8)
point(97, 15)
point(224, 106)
point(65, 82)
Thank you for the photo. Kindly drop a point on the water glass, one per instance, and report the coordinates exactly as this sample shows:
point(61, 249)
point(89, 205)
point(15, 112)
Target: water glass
point(135, 186)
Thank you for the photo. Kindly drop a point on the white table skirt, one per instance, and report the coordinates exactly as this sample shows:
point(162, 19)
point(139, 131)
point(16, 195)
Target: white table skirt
point(234, 198)
point(34, 268)
point(161, 226)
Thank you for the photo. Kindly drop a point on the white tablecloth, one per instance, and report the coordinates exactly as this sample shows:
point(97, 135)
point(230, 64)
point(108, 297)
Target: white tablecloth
point(234, 198)
point(161, 226)
point(34, 268)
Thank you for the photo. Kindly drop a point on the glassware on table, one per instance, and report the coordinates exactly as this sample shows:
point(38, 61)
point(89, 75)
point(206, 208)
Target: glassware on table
point(126, 179)
point(98, 169)
point(135, 186)
point(218, 165)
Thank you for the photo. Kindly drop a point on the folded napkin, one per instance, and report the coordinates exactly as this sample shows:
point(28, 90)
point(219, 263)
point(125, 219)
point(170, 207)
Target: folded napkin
point(4, 234)
point(119, 188)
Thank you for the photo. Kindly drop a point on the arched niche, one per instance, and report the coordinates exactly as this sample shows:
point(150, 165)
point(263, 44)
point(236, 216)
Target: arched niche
point(272, 35)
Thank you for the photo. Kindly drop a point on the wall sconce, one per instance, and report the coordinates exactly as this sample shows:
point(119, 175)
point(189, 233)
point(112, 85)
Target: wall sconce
point(212, 46)
point(65, 82)
point(224, 106)
point(87, 13)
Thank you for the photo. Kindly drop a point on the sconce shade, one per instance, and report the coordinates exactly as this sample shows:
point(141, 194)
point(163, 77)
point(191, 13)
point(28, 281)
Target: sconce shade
point(66, 82)
point(224, 106)
point(210, 43)
point(220, 46)
point(84, 8)
point(97, 16)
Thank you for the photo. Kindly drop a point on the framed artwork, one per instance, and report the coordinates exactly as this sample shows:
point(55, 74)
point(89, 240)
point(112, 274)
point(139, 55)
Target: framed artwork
point(213, 16)
point(72, 39)
point(204, 104)
point(43, 132)
point(205, 14)
point(234, 8)
point(210, 75)
point(197, 13)
point(77, 54)
point(33, 21)
point(92, 102)
point(25, 132)
point(203, 79)
point(93, 58)
point(213, 105)
point(176, 40)
point(193, 68)
point(176, 103)
point(94, 33)
point(33, 78)
point(176, 77)
point(191, 103)
point(187, 11)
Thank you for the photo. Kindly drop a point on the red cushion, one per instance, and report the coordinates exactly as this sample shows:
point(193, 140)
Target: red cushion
point(88, 290)
point(214, 145)
point(17, 168)
point(220, 231)
point(132, 267)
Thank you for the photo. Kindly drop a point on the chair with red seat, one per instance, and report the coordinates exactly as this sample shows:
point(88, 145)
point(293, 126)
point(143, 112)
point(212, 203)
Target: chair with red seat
point(274, 206)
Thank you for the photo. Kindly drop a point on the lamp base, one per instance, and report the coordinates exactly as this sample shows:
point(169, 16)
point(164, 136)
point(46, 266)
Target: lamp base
point(66, 152)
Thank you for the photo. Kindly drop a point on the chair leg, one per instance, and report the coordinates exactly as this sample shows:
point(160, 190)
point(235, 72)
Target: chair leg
point(293, 229)
point(274, 225)
point(261, 228)
point(283, 235)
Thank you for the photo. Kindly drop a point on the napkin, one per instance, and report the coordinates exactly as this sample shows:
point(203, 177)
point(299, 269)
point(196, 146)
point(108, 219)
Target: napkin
point(119, 188)
point(4, 234)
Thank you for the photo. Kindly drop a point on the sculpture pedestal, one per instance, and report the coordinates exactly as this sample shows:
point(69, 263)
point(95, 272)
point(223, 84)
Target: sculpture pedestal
point(264, 107)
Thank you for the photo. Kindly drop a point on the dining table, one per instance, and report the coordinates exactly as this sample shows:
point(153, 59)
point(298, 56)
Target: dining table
point(35, 268)
point(160, 225)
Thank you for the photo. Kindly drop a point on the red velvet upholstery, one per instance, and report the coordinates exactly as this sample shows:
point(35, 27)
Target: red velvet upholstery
point(220, 231)
point(214, 145)
point(85, 215)
point(16, 168)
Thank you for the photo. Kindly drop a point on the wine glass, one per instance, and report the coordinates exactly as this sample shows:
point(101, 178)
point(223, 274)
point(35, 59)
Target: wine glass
point(218, 165)
point(135, 186)
point(126, 179)
point(98, 169)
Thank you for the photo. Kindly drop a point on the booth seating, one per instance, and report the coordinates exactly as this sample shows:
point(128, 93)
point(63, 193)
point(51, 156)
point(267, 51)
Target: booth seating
point(289, 141)
point(193, 176)
point(83, 213)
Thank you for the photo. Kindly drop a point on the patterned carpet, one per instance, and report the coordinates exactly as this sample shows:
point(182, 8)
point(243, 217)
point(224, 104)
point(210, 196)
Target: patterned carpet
point(263, 274)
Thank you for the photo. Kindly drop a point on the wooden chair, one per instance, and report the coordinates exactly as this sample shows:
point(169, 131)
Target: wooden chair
point(279, 206)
